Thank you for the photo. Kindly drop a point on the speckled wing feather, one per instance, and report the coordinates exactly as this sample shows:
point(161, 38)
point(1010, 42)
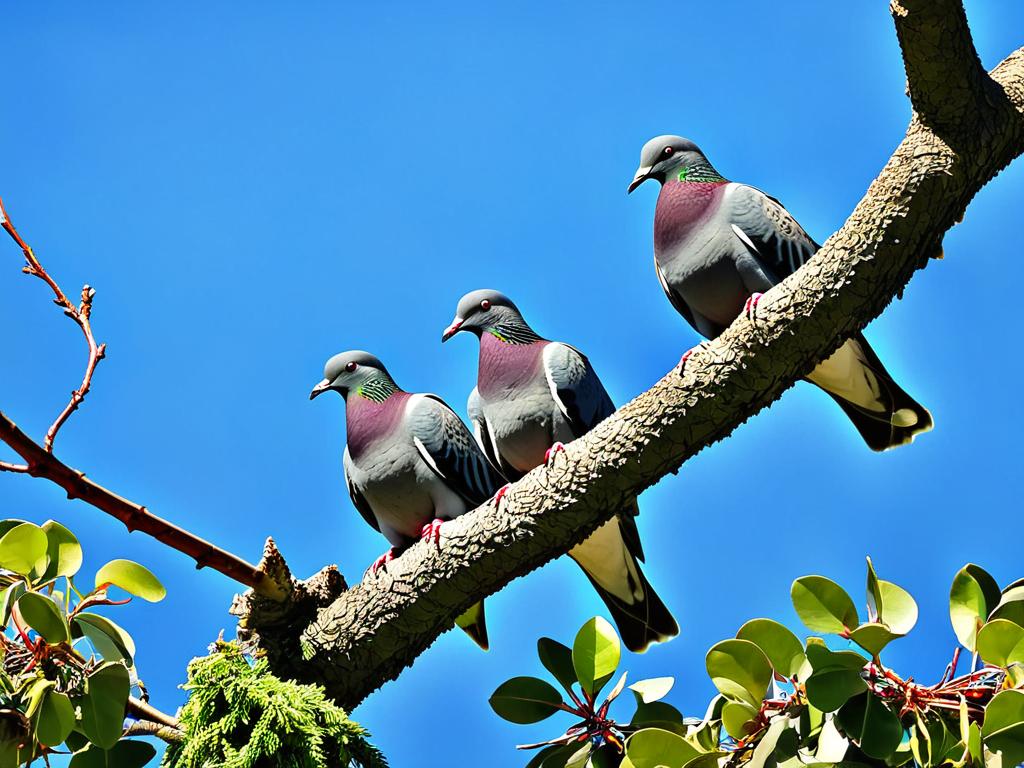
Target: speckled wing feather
point(450, 450)
point(769, 230)
point(358, 500)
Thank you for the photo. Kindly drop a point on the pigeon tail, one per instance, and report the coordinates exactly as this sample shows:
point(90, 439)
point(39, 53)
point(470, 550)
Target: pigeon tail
point(474, 623)
point(883, 413)
point(645, 621)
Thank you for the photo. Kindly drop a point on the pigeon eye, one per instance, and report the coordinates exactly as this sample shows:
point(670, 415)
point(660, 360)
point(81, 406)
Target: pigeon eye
point(485, 304)
point(667, 151)
point(351, 367)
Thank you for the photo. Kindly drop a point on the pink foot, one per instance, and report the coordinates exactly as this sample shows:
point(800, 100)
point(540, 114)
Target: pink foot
point(380, 562)
point(555, 449)
point(500, 495)
point(750, 308)
point(686, 356)
point(432, 532)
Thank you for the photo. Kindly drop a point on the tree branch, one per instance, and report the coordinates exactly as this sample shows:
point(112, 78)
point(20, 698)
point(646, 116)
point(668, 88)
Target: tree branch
point(368, 634)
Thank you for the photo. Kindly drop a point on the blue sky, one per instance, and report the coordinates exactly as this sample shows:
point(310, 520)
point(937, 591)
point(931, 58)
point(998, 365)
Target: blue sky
point(252, 188)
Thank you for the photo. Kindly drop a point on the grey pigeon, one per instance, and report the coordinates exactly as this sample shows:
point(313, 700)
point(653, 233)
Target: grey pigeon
point(531, 396)
point(410, 463)
point(719, 245)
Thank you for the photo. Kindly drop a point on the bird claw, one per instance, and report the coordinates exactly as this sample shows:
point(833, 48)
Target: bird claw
point(432, 532)
point(750, 307)
point(500, 495)
point(380, 562)
point(555, 449)
point(686, 356)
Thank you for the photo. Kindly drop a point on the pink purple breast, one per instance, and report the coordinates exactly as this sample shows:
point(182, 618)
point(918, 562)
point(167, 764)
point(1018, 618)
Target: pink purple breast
point(367, 422)
point(682, 207)
point(504, 368)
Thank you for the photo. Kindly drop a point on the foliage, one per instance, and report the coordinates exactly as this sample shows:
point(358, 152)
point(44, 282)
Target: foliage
point(67, 671)
point(786, 704)
point(240, 716)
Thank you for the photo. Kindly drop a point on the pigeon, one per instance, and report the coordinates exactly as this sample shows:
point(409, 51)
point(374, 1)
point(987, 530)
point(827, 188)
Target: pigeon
point(719, 245)
point(531, 396)
point(410, 463)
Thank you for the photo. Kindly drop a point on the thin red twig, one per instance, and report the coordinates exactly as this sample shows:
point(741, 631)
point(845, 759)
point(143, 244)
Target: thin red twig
point(80, 314)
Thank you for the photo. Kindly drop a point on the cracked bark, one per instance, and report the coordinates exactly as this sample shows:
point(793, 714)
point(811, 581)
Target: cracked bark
point(967, 126)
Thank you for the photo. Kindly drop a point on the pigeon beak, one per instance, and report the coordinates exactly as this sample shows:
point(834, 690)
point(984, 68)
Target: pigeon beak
point(643, 173)
point(320, 388)
point(452, 329)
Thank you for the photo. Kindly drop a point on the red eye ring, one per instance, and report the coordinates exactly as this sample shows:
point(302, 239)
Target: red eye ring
point(350, 367)
point(667, 151)
point(485, 304)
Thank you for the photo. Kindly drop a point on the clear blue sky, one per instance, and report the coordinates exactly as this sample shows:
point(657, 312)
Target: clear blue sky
point(254, 187)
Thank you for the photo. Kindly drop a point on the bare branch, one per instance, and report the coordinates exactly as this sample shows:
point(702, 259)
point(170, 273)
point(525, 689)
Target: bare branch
point(81, 314)
point(42, 463)
point(371, 632)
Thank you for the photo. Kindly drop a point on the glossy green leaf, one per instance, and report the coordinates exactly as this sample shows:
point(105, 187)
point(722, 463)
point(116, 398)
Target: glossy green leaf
point(132, 578)
point(23, 549)
point(652, 689)
point(735, 716)
point(128, 753)
point(557, 659)
point(1003, 729)
point(63, 552)
point(42, 614)
point(1001, 643)
point(56, 718)
point(765, 748)
point(823, 605)
point(836, 677)
point(740, 670)
point(972, 597)
point(832, 745)
point(659, 714)
point(112, 642)
point(35, 694)
point(525, 700)
point(899, 608)
point(974, 748)
point(103, 705)
point(595, 654)
point(605, 756)
point(873, 726)
point(874, 594)
point(541, 755)
point(76, 740)
point(579, 758)
point(873, 637)
point(1010, 608)
point(781, 646)
point(7, 600)
point(653, 747)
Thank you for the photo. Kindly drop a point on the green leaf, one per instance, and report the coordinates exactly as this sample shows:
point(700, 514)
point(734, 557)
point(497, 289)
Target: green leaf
point(112, 642)
point(873, 726)
point(832, 745)
point(525, 700)
point(781, 646)
point(740, 670)
point(1010, 608)
point(595, 654)
point(735, 716)
point(972, 597)
point(873, 637)
point(652, 689)
point(7, 600)
point(900, 609)
point(56, 718)
point(103, 705)
point(540, 756)
point(653, 747)
point(1001, 643)
point(605, 756)
point(578, 759)
point(76, 741)
point(23, 549)
point(658, 714)
point(836, 677)
point(974, 744)
point(128, 753)
point(44, 617)
point(132, 578)
point(874, 595)
point(1003, 729)
point(766, 744)
point(35, 694)
point(63, 552)
point(823, 605)
point(557, 659)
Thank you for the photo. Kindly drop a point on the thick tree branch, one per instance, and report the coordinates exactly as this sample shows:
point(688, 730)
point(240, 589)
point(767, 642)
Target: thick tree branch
point(370, 633)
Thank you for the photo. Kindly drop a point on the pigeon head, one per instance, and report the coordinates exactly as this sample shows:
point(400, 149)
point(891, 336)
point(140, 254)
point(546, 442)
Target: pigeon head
point(353, 371)
point(485, 310)
point(663, 155)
